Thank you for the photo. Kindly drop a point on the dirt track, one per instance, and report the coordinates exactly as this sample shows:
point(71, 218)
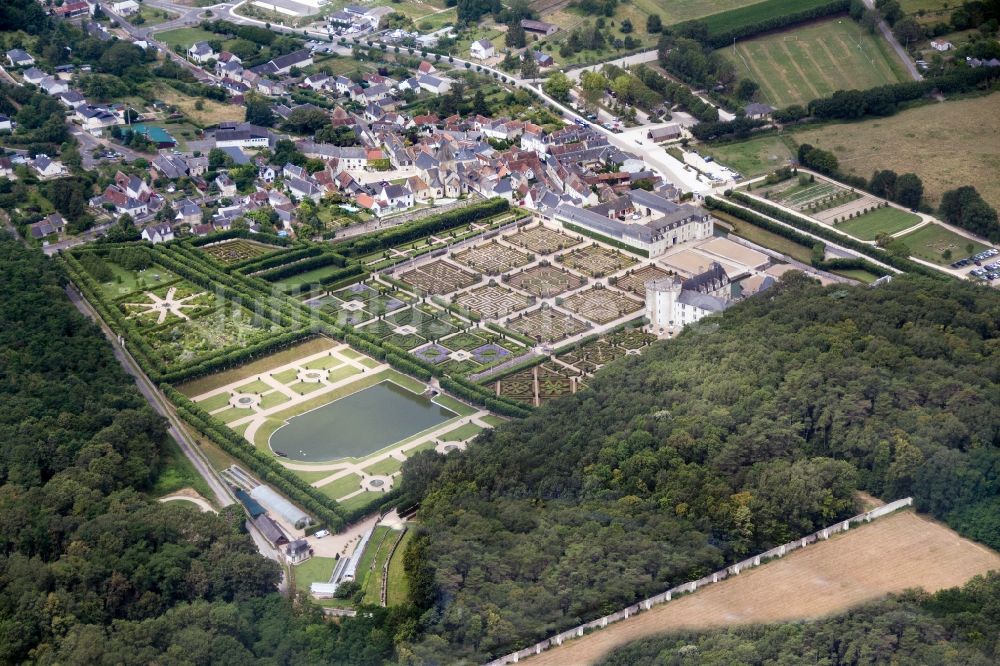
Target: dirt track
point(894, 553)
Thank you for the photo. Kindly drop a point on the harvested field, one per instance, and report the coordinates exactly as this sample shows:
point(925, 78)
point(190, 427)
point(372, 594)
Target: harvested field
point(210, 113)
point(829, 577)
point(803, 63)
point(948, 145)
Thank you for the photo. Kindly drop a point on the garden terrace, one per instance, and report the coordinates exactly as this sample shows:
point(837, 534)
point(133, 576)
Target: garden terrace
point(545, 280)
point(438, 277)
point(541, 240)
point(491, 301)
point(601, 305)
point(491, 258)
point(536, 385)
point(596, 261)
point(634, 280)
point(546, 325)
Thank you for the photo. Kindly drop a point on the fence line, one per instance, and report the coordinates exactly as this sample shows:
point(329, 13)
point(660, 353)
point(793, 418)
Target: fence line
point(686, 588)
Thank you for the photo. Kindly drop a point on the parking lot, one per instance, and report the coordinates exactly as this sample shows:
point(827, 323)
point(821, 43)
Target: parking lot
point(983, 269)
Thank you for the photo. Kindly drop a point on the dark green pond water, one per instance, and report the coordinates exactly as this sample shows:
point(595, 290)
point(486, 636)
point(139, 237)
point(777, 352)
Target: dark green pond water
point(358, 424)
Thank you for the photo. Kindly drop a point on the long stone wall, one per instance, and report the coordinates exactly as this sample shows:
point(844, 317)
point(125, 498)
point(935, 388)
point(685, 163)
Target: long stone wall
point(687, 588)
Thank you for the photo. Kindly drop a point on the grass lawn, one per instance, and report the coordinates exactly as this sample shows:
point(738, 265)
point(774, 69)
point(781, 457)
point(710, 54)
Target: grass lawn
point(755, 234)
point(801, 64)
point(373, 587)
point(313, 570)
point(302, 388)
point(947, 144)
point(422, 447)
point(384, 467)
point(398, 590)
point(492, 420)
point(454, 405)
point(755, 157)
point(283, 357)
point(461, 433)
point(880, 221)
point(340, 487)
point(931, 241)
point(286, 376)
point(351, 354)
point(151, 16)
point(217, 401)
point(858, 274)
point(374, 544)
point(359, 501)
point(184, 37)
point(256, 386)
point(343, 372)
point(177, 472)
point(126, 281)
point(233, 414)
point(210, 113)
point(273, 399)
point(309, 277)
point(323, 363)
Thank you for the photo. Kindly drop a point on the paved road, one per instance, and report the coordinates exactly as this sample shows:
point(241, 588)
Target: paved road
point(886, 31)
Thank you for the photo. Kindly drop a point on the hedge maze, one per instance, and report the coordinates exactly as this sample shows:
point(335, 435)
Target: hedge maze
point(545, 280)
point(542, 240)
point(438, 277)
point(491, 258)
point(601, 305)
point(596, 261)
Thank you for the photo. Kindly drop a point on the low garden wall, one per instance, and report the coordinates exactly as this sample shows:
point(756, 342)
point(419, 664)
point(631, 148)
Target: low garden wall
point(686, 588)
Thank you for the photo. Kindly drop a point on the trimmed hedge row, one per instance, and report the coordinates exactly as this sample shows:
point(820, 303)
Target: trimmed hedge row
point(514, 335)
point(764, 223)
point(267, 468)
point(354, 270)
point(483, 396)
point(900, 263)
point(269, 239)
point(424, 227)
point(844, 264)
point(257, 264)
point(606, 239)
point(750, 27)
point(299, 265)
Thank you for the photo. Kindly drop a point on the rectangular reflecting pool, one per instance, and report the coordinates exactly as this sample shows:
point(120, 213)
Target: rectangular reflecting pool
point(358, 424)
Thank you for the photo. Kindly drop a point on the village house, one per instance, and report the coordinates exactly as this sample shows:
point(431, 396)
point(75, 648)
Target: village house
point(158, 233)
point(482, 49)
point(19, 58)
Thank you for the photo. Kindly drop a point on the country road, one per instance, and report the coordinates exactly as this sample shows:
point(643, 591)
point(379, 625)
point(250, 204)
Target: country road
point(886, 31)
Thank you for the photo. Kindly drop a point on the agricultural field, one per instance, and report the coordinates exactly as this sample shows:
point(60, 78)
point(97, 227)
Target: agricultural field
point(886, 220)
point(822, 579)
point(807, 62)
point(947, 144)
point(934, 243)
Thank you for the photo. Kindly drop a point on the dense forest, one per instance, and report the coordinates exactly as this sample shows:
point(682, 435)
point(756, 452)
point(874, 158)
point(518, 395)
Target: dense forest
point(93, 571)
point(956, 626)
point(744, 432)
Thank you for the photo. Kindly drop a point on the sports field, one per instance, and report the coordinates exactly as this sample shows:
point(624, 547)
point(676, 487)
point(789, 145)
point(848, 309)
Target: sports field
point(804, 63)
point(892, 554)
point(948, 145)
